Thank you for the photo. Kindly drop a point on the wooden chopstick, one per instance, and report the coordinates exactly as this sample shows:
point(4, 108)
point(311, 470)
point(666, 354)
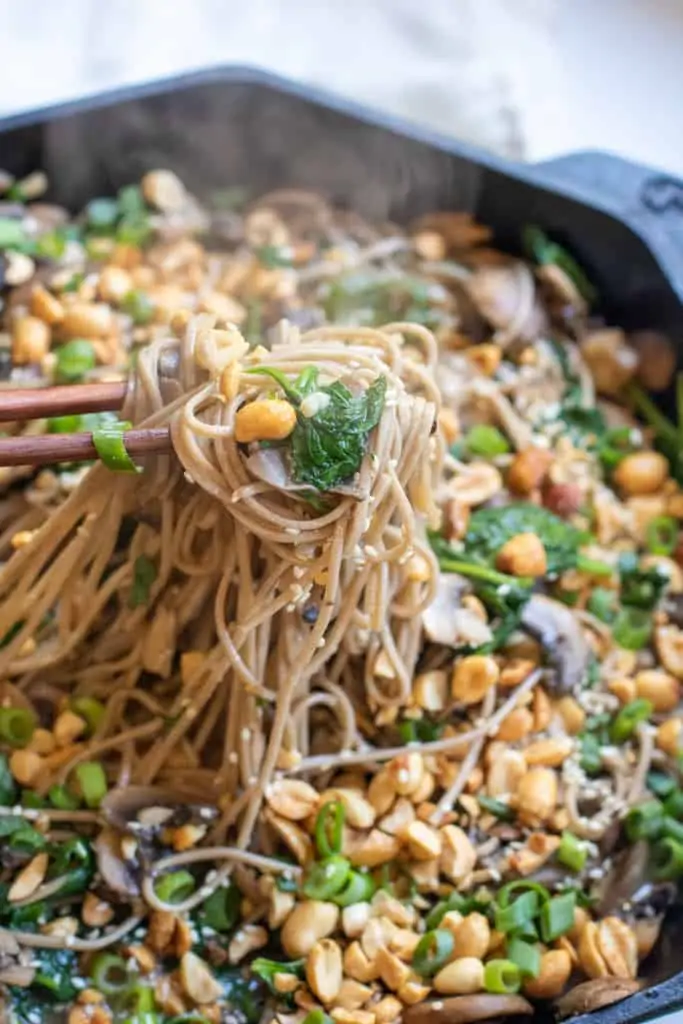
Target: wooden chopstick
point(64, 400)
point(43, 449)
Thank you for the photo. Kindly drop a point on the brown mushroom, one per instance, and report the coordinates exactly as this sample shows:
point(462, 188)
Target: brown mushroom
point(115, 872)
point(146, 806)
point(594, 994)
point(560, 633)
point(446, 621)
point(467, 1009)
point(506, 297)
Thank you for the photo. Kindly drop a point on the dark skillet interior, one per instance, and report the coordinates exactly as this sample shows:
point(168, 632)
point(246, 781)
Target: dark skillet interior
point(235, 127)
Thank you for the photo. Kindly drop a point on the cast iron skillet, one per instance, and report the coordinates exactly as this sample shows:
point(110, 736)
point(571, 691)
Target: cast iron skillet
point(233, 126)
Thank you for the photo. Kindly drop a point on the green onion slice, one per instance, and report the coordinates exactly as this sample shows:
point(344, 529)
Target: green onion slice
point(644, 821)
point(110, 974)
point(328, 828)
point(17, 725)
point(632, 628)
point(667, 860)
point(174, 887)
point(486, 441)
point(661, 536)
point(557, 916)
point(358, 888)
point(108, 441)
point(74, 359)
point(572, 852)
point(628, 719)
point(91, 709)
point(92, 782)
point(432, 952)
point(526, 956)
point(326, 878)
point(502, 977)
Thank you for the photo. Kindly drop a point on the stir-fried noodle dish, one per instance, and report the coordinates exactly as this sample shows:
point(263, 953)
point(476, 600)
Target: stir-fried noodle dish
point(361, 706)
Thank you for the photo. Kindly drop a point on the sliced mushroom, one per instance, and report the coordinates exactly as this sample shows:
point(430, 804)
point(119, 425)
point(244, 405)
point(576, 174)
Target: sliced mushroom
point(446, 622)
point(506, 297)
point(8, 944)
point(467, 1009)
point(149, 806)
point(115, 872)
point(562, 638)
point(270, 465)
point(594, 994)
point(626, 876)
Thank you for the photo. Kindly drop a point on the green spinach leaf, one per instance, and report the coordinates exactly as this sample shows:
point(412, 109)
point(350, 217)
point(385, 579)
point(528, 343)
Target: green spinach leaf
point(491, 528)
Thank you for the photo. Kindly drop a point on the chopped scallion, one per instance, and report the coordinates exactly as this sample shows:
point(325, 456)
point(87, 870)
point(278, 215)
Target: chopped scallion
point(572, 852)
point(17, 726)
point(108, 440)
point(328, 828)
point(432, 952)
point(174, 887)
point(628, 719)
point(502, 977)
point(92, 782)
point(486, 441)
point(74, 359)
point(557, 916)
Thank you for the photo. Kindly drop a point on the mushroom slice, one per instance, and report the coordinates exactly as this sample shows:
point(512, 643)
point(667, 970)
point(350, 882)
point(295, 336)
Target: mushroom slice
point(467, 1009)
point(562, 638)
point(270, 465)
point(146, 805)
point(594, 994)
point(627, 875)
point(116, 873)
point(446, 622)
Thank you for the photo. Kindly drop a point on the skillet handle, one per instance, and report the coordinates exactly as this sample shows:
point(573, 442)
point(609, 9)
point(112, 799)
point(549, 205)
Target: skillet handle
point(650, 202)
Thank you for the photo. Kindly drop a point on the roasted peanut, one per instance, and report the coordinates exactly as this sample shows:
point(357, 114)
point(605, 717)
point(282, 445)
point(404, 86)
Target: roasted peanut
point(528, 469)
point(25, 766)
point(423, 841)
point(354, 919)
point(292, 798)
point(669, 736)
point(246, 939)
point(611, 361)
point(641, 473)
point(114, 284)
point(473, 676)
point(430, 690)
point(46, 306)
point(310, 921)
point(324, 970)
point(68, 727)
point(556, 966)
point(407, 771)
point(198, 981)
point(30, 340)
point(357, 965)
point(572, 715)
point(458, 855)
point(472, 936)
point(28, 879)
point(505, 773)
point(486, 357)
point(478, 484)
point(618, 946)
point(515, 726)
point(661, 689)
point(515, 671)
point(392, 970)
point(87, 320)
point(523, 555)
point(268, 419)
point(537, 794)
point(460, 977)
point(551, 752)
point(382, 791)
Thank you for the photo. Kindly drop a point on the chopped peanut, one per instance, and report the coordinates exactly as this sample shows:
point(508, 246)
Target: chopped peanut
point(473, 676)
point(523, 555)
point(268, 419)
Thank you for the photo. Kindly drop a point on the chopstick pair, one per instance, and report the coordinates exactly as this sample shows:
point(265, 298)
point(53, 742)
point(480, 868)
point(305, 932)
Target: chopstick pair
point(19, 404)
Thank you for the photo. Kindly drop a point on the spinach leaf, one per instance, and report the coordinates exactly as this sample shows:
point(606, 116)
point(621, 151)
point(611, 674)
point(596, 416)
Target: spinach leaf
point(56, 970)
point(491, 528)
point(73, 862)
point(246, 996)
point(8, 787)
point(585, 427)
point(543, 250)
point(328, 447)
point(641, 588)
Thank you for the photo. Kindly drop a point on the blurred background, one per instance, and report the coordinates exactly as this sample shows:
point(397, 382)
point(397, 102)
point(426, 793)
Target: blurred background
point(528, 78)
